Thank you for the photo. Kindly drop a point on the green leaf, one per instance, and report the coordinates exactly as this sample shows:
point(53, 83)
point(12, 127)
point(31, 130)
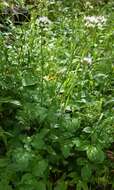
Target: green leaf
point(38, 142)
point(65, 150)
point(39, 168)
point(15, 102)
point(30, 182)
point(28, 179)
point(80, 144)
point(86, 172)
point(87, 130)
point(4, 185)
point(10, 101)
point(95, 154)
point(84, 185)
point(81, 161)
point(26, 187)
point(61, 185)
point(73, 125)
point(3, 162)
point(29, 80)
point(40, 186)
point(81, 185)
point(21, 158)
point(109, 103)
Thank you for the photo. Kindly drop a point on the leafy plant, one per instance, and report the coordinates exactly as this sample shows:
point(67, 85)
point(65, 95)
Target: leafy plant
point(56, 98)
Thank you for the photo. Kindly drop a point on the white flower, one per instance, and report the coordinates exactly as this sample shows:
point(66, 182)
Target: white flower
point(87, 60)
point(44, 21)
point(93, 21)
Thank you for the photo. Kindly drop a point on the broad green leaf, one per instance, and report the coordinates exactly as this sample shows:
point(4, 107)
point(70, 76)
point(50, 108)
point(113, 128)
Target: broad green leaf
point(38, 142)
point(39, 168)
point(30, 182)
point(81, 161)
point(86, 172)
point(80, 144)
point(21, 159)
point(29, 80)
point(84, 185)
point(95, 154)
point(81, 185)
point(61, 185)
point(4, 185)
point(73, 125)
point(65, 150)
point(28, 179)
point(40, 186)
point(26, 187)
point(3, 162)
point(38, 139)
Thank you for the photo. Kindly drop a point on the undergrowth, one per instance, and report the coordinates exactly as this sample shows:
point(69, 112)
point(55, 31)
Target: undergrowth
point(57, 98)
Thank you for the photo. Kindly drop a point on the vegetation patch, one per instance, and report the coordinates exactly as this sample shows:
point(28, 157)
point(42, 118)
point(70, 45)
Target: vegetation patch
point(57, 95)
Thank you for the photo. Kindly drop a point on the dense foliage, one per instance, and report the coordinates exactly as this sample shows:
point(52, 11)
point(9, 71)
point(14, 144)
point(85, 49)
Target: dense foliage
point(57, 97)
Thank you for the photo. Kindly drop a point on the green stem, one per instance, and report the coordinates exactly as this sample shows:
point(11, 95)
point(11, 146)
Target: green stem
point(42, 68)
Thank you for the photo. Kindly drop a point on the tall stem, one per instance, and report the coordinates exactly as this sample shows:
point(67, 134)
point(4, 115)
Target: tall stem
point(42, 67)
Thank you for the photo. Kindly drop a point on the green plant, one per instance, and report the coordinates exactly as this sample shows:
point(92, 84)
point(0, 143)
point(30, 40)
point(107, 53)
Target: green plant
point(56, 99)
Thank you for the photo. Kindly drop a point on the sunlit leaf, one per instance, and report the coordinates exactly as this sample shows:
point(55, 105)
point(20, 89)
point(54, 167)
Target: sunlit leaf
point(95, 154)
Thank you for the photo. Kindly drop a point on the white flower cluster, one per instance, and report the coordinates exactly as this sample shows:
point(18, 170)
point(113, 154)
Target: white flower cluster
point(44, 21)
point(95, 21)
